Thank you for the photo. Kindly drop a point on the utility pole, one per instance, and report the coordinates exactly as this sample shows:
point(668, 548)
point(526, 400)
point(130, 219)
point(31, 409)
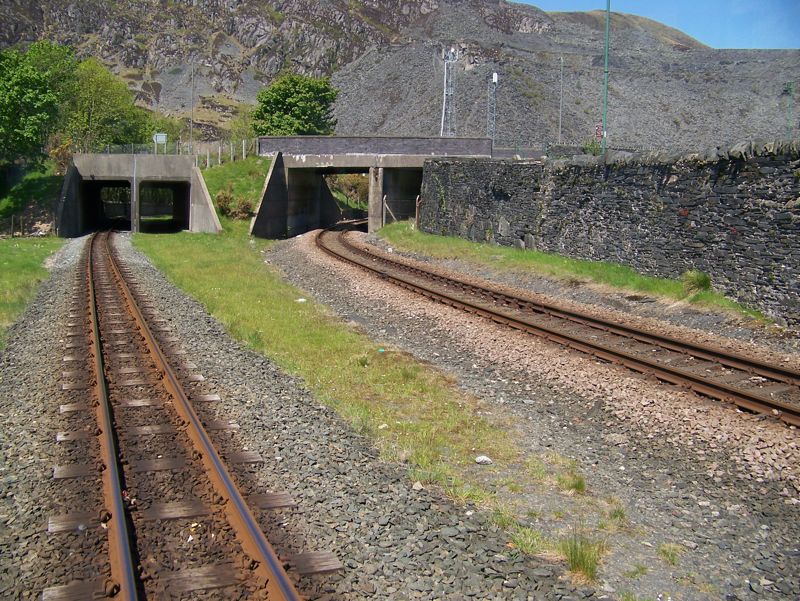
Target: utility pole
point(491, 108)
point(604, 140)
point(561, 99)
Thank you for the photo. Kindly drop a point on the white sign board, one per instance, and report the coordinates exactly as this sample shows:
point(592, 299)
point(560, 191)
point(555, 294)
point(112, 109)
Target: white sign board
point(160, 138)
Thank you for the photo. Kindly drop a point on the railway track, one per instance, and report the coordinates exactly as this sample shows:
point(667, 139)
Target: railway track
point(175, 518)
point(747, 382)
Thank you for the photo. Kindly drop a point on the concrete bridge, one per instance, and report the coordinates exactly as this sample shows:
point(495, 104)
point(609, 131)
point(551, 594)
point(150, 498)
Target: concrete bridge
point(297, 199)
point(167, 191)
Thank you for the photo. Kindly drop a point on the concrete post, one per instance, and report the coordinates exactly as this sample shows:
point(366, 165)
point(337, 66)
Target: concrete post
point(375, 206)
point(134, 199)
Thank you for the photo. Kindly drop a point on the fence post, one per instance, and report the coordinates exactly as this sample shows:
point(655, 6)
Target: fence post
point(219, 153)
point(208, 158)
point(243, 151)
point(231, 145)
point(12, 225)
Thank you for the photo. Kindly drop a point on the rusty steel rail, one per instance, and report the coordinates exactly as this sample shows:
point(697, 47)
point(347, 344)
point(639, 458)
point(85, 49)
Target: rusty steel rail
point(125, 584)
point(263, 559)
point(740, 397)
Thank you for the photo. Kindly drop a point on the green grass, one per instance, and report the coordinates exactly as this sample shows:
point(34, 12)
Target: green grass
point(670, 552)
point(637, 571)
point(428, 423)
point(571, 481)
point(403, 236)
point(21, 271)
point(245, 178)
point(582, 554)
point(530, 541)
point(40, 187)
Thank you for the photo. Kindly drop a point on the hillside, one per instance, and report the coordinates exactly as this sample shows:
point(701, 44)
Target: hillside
point(666, 89)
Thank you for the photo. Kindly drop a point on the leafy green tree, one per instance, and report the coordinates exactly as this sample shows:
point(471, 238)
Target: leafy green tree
point(57, 63)
point(295, 105)
point(102, 110)
point(28, 108)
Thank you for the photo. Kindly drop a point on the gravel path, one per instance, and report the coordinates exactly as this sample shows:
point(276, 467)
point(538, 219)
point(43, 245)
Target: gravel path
point(32, 559)
point(725, 486)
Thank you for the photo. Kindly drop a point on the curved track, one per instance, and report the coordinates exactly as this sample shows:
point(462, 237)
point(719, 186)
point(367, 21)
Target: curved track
point(745, 381)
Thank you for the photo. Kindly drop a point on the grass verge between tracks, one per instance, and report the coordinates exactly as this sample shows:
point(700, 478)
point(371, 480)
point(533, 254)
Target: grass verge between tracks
point(405, 237)
point(21, 271)
point(413, 412)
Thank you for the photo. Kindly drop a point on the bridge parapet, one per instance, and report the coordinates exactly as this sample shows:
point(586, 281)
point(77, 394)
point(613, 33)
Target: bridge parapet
point(374, 146)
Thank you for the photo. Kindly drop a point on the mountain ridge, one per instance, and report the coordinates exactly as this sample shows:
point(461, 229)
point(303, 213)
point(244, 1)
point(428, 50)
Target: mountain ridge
point(666, 89)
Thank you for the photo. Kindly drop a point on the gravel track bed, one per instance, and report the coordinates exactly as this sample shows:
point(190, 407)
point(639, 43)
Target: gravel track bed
point(680, 319)
point(395, 542)
point(723, 485)
point(31, 559)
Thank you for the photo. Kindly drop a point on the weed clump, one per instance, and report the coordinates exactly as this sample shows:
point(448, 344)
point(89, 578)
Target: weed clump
point(695, 281)
point(582, 554)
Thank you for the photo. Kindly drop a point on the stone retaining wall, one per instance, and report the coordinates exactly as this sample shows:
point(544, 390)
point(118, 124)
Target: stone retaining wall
point(733, 214)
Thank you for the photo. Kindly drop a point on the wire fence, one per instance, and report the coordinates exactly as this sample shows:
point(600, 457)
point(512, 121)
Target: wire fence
point(207, 154)
point(18, 225)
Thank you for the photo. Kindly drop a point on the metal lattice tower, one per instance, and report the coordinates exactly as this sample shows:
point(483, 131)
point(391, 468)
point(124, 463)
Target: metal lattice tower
point(491, 107)
point(449, 101)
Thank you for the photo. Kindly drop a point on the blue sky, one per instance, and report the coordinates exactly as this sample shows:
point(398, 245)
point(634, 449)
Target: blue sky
point(716, 23)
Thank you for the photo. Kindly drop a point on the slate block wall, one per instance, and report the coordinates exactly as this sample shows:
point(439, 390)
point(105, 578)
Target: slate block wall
point(733, 214)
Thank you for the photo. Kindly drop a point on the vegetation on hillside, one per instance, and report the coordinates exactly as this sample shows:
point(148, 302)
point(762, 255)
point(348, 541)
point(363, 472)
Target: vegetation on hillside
point(236, 187)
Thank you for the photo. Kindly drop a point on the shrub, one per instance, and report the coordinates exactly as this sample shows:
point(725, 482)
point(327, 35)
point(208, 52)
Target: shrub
point(592, 146)
point(234, 207)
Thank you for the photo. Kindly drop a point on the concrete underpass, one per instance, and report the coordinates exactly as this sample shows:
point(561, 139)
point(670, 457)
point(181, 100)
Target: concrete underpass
point(296, 197)
point(148, 193)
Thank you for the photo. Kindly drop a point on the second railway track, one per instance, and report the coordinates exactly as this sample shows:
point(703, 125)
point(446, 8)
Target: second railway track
point(744, 381)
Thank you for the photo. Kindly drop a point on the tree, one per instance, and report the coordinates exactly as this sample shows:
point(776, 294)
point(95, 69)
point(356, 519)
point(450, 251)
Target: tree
point(102, 111)
point(295, 105)
point(28, 108)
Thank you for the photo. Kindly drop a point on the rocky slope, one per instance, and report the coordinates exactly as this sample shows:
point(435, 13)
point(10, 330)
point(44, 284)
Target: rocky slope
point(666, 88)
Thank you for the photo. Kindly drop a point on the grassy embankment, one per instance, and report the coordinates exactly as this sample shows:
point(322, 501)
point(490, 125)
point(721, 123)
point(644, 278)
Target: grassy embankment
point(36, 190)
point(21, 271)
point(245, 178)
point(412, 412)
point(694, 288)
point(21, 259)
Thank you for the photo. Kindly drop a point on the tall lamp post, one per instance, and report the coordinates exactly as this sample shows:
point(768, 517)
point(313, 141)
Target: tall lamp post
point(604, 140)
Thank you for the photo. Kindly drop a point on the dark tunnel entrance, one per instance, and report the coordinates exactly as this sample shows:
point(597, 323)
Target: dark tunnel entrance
point(105, 204)
point(164, 206)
